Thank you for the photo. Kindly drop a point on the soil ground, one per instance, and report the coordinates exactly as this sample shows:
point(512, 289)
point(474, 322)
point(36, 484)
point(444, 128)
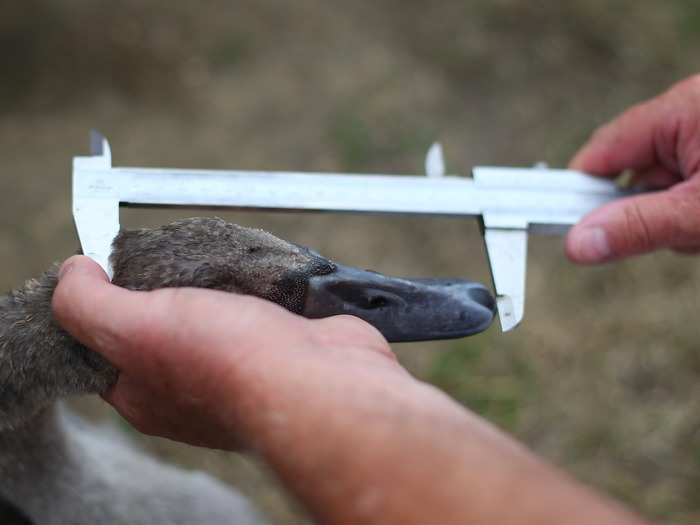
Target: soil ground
point(602, 378)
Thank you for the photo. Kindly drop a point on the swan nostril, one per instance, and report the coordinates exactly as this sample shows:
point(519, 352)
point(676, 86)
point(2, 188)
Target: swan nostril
point(377, 301)
point(483, 297)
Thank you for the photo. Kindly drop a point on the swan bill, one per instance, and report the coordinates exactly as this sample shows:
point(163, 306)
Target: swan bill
point(401, 309)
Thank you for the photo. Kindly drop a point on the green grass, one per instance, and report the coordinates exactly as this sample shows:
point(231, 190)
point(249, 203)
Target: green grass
point(228, 52)
point(494, 383)
point(688, 19)
point(362, 144)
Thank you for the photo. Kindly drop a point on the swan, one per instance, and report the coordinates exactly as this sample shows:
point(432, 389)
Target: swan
point(57, 469)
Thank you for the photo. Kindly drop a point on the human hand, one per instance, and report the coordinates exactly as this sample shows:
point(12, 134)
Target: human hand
point(660, 141)
point(324, 402)
point(205, 367)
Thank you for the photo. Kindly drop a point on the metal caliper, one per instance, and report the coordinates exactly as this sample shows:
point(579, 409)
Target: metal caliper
point(511, 202)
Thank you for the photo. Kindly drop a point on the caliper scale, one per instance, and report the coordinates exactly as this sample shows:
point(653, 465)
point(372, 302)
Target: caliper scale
point(511, 202)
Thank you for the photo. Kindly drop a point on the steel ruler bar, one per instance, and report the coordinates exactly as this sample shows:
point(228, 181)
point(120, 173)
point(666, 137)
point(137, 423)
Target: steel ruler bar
point(537, 204)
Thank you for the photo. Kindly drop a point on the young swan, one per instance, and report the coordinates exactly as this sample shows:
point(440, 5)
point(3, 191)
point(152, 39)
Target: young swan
point(57, 469)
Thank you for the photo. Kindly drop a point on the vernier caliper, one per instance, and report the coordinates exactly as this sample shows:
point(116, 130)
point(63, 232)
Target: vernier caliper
point(510, 201)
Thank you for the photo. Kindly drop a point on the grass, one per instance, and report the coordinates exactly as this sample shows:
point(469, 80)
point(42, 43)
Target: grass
point(363, 144)
point(688, 19)
point(495, 384)
point(229, 52)
point(602, 377)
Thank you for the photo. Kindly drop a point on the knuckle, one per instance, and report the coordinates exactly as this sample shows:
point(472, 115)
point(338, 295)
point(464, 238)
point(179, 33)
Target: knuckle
point(368, 335)
point(687, 216)
point(356, 326)
point(348, 329)
point(637, 226)
point(383, 348)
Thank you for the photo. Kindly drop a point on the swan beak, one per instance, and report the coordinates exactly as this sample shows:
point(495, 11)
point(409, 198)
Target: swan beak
point(402, 309)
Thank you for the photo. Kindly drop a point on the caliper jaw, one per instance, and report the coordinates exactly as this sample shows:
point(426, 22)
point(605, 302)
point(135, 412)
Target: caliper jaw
point(507, 252)
point(95, 204)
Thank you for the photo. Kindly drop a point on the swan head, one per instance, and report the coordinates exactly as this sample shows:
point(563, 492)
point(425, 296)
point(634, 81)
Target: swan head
point(213, 253)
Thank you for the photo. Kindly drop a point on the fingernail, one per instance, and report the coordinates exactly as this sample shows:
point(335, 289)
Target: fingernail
point(592, 245)
point(65, 269)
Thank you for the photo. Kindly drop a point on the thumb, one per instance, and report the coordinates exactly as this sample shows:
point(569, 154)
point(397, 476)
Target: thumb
point(91, 309)
point(636, 225)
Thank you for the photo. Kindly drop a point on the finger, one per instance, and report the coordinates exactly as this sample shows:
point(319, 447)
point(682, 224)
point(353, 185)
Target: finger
point(638, 139)
point(84, 303)
point(636, 225)
point(134, 401)
point(688, 250)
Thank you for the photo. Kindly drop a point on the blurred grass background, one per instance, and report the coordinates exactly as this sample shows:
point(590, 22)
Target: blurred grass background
point(601, 379)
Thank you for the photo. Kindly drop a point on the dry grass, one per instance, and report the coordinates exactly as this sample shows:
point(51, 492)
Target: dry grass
point(603, 376)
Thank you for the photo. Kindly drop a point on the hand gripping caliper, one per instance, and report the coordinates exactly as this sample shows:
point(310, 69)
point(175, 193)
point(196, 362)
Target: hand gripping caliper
point(510, 201)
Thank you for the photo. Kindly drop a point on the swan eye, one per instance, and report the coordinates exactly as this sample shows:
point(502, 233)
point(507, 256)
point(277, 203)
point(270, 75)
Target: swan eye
point(323, 267)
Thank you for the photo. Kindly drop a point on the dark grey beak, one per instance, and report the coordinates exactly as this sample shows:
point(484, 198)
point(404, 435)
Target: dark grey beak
point(402, 309)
